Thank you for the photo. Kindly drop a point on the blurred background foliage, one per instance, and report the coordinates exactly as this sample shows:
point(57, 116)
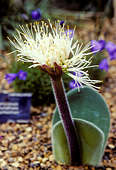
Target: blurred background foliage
point(16, 12)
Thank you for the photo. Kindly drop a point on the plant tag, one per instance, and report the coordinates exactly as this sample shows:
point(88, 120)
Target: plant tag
point(15, 107)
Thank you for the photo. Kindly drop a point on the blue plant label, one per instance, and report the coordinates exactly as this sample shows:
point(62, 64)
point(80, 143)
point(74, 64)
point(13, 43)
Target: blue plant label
point(15, 107)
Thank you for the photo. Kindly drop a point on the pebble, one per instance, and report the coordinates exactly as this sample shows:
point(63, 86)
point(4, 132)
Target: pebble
point(20, 159)
point(35, 164)
point(51, 158)
point(29, 129)
point(15, 164)
point(58, 167)
point(44, 160)
point(39, 159)
point(42, 165)
point(2, 163)
point(111, 146)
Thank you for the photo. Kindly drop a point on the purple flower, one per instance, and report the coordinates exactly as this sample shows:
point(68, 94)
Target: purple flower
point(112, 55)
point(36, 14)
point(69, 33)
point(110, 47)
point(61, 23)
point(10, 77)
point(102, 44)
point(72, 84)
point(1, 137)
point(22, 75)
point(97, 45)
point(104, 65)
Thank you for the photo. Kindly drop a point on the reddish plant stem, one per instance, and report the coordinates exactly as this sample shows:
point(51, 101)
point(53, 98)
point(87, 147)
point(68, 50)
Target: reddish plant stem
point(68, 124)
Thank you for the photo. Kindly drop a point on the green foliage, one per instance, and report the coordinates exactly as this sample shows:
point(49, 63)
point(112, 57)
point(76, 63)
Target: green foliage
point(11, 17)
point(37, 82)
point(1, 39)
point(91, 150)
point(88, 105)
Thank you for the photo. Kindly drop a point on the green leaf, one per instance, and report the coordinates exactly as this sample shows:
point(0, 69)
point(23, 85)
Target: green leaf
point(88, 105)
point(91, 140)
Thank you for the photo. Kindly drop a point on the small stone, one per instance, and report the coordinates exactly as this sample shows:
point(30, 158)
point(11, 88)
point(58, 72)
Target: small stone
point(44, 160)
point(15, 164)
point(2, 163)
point(39, 159)
point(59, 168)
point(51, 158)
point(14, 154)
point(20, 159)
point(11, 160)
point(35, 164)
point(29, 129)
point(111, 146)
point(14, 147)
point(108, 95)
point(42, 165)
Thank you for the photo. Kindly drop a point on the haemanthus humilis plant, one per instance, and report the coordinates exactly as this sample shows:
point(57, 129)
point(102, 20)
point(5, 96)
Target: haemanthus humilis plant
point(50, 48)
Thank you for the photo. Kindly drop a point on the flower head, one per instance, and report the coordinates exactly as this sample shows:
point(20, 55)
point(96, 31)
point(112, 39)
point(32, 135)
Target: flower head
point(104, 65)
point(97, 45)
point(47, 46)
point(10, 77)
point(36, 14)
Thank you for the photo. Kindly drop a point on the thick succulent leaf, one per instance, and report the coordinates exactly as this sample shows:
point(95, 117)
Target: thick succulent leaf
point(91, 138)
point(88, 105)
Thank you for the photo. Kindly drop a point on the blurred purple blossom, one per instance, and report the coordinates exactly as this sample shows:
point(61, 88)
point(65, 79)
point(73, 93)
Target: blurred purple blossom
point(61, 23)
point(1, 137)
point(97, 45)
point(24, 16)
point(110, 47)
point(72, 83)
point(36, 14)
point(112, 55)
point(10, 77)
point(103, 65)
point(22, 75)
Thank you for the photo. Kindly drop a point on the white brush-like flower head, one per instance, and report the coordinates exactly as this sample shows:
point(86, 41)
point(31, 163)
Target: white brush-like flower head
point(46, 45)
